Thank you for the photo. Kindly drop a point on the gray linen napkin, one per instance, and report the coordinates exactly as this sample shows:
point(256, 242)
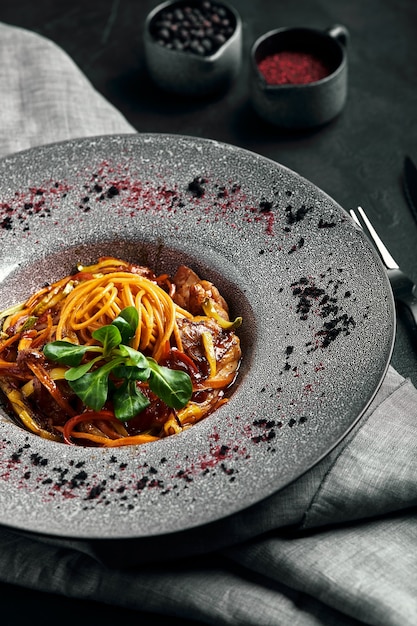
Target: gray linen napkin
point(44, 96)
point(337, 547)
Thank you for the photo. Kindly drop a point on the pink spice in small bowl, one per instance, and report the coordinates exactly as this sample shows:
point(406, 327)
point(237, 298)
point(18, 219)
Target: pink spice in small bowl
point(298, 76)
point(293, 67)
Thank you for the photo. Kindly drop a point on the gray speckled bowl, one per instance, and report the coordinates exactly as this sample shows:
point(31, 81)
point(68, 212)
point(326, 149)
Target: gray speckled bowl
point(187, 73)
point(301, 106)
point(317, 334)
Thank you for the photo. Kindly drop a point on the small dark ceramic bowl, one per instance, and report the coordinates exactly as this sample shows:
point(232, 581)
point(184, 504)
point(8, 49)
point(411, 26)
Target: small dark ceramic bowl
point(309, 104)
point(181, 70)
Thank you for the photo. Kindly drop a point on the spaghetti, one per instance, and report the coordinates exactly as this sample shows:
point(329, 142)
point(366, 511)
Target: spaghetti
point(181, 332)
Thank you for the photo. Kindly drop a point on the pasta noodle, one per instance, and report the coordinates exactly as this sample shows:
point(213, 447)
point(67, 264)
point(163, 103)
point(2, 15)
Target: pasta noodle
point(182, 325)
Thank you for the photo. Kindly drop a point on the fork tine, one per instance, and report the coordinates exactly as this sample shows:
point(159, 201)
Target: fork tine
point(383, 251)
point(355, 219)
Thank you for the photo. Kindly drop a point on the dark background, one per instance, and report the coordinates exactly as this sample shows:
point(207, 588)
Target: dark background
point(357, 159)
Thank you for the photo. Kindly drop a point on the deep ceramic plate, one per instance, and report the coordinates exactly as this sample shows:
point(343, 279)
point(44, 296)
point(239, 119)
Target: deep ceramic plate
point(317, 335)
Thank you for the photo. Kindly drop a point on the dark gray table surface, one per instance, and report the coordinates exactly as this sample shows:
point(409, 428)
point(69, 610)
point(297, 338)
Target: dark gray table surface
point(357, 159)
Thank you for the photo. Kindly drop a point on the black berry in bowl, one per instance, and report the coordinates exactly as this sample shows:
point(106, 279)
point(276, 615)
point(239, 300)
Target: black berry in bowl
point(193, 46)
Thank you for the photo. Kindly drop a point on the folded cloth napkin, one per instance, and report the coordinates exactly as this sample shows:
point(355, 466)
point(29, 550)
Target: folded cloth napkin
point(336, 547)
point(44, 96)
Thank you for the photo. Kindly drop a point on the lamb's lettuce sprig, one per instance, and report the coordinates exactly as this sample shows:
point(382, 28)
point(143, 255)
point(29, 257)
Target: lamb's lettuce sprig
point(90, 380)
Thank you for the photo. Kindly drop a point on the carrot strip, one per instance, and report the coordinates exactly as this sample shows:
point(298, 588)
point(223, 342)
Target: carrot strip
point(8, 342)
point(69, 432)
point(84, 417)
point(43, 376)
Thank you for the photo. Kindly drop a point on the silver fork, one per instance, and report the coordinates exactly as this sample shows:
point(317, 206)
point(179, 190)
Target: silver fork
point(403, 288)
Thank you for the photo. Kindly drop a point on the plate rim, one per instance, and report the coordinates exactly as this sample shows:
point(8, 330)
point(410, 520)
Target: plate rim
point(291, 173)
